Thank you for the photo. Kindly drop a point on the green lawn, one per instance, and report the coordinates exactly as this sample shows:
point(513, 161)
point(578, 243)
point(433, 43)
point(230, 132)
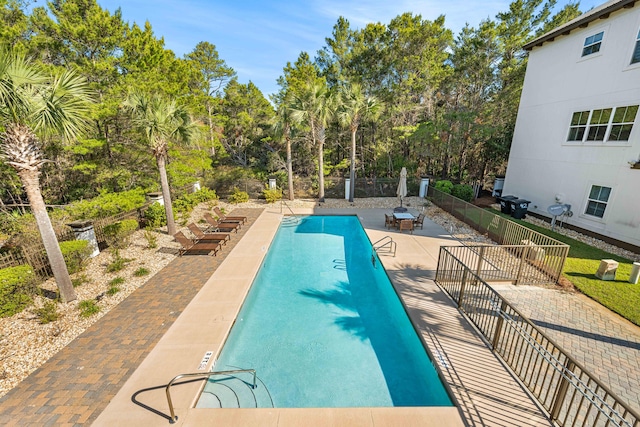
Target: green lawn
point(580, 267)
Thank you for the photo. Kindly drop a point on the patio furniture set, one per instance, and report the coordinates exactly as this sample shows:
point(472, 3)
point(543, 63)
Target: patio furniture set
point(403, 220)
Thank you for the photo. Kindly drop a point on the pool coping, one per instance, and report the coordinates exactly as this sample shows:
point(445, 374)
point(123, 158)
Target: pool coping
point(206, 321)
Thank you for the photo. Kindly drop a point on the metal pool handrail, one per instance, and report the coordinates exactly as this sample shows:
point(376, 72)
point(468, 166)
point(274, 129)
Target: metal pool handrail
point(388, 241)
point(174, 417)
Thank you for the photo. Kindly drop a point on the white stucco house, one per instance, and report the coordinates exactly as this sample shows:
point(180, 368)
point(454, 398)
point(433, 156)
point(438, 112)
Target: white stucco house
point(577, 135)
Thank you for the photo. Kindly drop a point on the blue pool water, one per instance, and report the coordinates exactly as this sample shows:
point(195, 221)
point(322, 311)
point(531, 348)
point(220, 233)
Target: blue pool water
point(323, 328)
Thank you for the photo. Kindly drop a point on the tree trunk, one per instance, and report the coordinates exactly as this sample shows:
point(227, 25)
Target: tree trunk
point(31, 182)
point(166, 195)
point(289, 170)
point(320, 170)
point(210, 123)
point(352, 175)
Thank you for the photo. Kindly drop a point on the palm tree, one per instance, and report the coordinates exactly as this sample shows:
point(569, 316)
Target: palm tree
point(354, 107)
point(34, 105)
point(282, 125)
point(161, 121)
point(315, 106)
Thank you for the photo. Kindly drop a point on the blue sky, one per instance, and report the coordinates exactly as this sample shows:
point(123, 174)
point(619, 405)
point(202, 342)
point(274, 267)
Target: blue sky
point(257, 37)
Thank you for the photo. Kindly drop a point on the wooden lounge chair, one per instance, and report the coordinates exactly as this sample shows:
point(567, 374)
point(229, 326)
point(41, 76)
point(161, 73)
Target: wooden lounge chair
point(418, 221)
point(189, 247)
point(221, 226)
point(201, 236)
point(225, 218)
point(406, 224)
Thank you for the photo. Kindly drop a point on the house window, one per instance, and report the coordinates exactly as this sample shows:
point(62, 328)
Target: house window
point(578, 126)
point(597, 202)
point(598, 124)
point(605, 124)
point(592, 44)
point(636, 52)
point(622, 123)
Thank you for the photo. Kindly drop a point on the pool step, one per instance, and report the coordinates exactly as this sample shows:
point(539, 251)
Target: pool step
point(291, 220)
point(235, 391)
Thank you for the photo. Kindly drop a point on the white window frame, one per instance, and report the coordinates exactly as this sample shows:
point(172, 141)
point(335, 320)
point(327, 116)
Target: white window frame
point(596, 114)
point(636, 49)
point(592, 44)
point(587, 128)
point(589, 200)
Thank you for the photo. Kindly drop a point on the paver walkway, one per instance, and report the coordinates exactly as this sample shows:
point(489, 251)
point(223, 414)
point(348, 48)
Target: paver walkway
point(607, 345)
point(76, 384)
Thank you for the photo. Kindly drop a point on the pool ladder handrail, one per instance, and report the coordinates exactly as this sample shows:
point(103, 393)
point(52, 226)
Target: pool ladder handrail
point(174, 417)
point(282, 202)
point(386, 241)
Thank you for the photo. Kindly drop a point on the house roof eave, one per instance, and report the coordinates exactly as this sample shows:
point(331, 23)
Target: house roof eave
point(601, 12)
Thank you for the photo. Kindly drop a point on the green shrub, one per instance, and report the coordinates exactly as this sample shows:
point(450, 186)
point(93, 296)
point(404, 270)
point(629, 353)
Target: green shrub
point(113, 286)
point(17, 285)
point(204, 195)
point(272, 195)
point(141, 272)
point(445, 186)
point(238, 196)
point(107, 204)
point(155, 215)
point(75, 254)
point(116, 281)
point(118, 263)
point(152, 238)
point(80, 280)
point(88, 308)
point(187, 202)
point(118, 234)
point(463, 191)
point(10, 224)
point(112, 290)
point(47, 313)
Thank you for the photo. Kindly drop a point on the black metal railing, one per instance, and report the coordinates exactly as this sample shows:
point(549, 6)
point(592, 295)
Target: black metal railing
point(569, 393)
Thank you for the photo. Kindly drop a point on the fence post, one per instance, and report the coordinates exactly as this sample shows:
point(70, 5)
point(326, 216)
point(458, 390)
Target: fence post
point(523, 253)
point(498, 332)
point(480, 259)
point(561, 392)
point(462, 286)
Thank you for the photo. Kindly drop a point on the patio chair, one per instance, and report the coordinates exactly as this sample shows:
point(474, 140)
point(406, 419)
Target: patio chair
point(225, 218)
point(214, 237)
point(389, 221)
point(418, 221)
point(189, 247)
point(406, 224)
point(226, 227)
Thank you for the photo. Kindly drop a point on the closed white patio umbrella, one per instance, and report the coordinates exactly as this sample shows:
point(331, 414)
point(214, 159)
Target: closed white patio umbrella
point(402, 185)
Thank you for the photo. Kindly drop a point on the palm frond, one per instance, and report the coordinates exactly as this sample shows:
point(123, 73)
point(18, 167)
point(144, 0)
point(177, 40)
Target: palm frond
point(63, 106)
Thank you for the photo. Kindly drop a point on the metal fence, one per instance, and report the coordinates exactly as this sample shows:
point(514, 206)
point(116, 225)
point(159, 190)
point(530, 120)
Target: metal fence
point(36, 256)
point(570, 394)
point(333, 187)
point(522, 264)
point(525, 256)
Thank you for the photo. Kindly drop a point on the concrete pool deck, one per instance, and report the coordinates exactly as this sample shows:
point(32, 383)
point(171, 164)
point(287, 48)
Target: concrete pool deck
point(487, 394)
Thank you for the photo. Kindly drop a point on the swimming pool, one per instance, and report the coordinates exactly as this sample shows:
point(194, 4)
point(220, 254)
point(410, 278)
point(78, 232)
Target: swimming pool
point(323, 327)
